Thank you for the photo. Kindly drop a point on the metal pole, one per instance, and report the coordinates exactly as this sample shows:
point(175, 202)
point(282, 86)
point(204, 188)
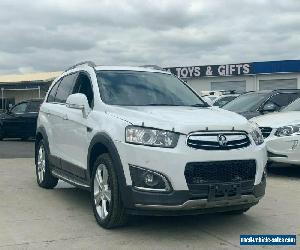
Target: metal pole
point(2, 98)
point(39, 91)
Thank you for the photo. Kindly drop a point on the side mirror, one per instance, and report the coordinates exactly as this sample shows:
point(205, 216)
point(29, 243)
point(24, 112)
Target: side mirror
point(79, 101)
point(269, 107)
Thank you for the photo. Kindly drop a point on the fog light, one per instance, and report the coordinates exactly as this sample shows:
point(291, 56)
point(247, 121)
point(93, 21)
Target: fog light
point(148, 180)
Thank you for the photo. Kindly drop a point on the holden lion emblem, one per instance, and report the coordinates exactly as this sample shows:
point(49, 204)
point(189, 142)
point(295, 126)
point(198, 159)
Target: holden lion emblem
point(222, 140)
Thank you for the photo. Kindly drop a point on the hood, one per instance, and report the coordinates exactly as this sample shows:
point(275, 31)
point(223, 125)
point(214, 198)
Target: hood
point(249, 114)
point(276, 120)
point(180, 119)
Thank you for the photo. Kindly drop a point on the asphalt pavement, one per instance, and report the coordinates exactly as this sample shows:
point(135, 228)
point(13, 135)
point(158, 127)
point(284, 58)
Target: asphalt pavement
point(15, 148)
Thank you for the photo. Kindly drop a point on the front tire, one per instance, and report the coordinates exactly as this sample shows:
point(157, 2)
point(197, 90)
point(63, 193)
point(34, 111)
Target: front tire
point(105, 196)
point(43, 174)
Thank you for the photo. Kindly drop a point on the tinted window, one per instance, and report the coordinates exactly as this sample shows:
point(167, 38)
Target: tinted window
point(65, 88)
point(19, 108)
point(83, 86)
point(283, 99)
point(52, 93)
point(246, 102)
point(34, 106)
point(133, 88)
point(295, 106)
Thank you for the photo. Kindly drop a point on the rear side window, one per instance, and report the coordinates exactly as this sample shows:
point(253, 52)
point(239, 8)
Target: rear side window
point(34, 107)
point(52, 93)
point(65, 88)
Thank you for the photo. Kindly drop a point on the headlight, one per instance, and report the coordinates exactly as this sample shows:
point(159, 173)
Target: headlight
point(256, 134)
point(288, 130)
point(151, 137)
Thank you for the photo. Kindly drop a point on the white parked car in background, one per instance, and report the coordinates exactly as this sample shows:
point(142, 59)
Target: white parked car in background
point(282, 133)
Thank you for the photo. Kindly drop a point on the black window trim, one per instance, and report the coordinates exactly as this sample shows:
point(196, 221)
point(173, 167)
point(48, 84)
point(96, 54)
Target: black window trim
point(91, 82)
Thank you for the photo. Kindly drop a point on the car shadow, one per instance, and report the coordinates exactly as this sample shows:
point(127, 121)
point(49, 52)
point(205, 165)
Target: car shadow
point(284, 170)
point(165, 226)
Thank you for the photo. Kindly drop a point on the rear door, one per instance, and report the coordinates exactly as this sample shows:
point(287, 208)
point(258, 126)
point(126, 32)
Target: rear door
point(58, 113)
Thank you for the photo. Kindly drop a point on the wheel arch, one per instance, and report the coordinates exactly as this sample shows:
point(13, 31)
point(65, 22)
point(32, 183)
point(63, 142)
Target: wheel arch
point(102, 143)
point(41, 135)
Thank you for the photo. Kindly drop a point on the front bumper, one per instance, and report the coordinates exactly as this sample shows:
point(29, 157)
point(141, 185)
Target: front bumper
point(172, 163)
point(284, 149)
point(183, 202)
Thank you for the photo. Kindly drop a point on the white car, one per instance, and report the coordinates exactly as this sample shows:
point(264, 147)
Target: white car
point(282, 133)
point(144, 143)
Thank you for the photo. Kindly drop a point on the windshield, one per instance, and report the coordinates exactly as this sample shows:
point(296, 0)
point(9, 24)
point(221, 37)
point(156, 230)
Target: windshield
point(294, 106)
point(134, 88)
point(246, 102)
point(223, 100)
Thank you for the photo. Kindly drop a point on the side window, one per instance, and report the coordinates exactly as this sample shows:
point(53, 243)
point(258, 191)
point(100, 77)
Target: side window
point(65, 88)
point(19, 108)
point(283, 99)
point(84, 86)
point(52, 93)
point(34, 106)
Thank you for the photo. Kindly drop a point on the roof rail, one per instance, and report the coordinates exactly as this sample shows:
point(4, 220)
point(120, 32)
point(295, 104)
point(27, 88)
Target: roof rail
point(89, 63)
point(153, 67)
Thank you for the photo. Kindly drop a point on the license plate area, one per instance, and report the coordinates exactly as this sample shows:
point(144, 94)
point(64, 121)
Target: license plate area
point(224, 191)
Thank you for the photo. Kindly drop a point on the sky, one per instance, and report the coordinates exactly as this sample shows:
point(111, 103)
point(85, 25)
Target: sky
point(51, 35)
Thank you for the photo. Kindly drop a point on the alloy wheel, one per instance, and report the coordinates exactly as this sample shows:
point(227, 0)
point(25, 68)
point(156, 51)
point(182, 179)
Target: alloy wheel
point(41, 164)
point(102, 191)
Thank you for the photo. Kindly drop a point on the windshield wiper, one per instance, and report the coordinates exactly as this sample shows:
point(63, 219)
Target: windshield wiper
point(202, 105)
point(161, 104)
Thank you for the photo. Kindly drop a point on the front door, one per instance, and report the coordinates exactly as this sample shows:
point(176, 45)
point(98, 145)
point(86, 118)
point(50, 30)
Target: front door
point(76, 130)
point(16, 122)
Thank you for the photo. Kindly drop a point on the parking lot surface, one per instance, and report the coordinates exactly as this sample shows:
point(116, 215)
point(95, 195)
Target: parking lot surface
point(16, 149)
point(62, 218)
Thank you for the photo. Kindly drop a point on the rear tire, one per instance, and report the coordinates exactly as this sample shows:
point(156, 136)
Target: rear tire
point(43, 174)
point(105, 194)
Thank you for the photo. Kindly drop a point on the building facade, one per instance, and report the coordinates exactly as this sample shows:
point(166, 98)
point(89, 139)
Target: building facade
point(242, 77)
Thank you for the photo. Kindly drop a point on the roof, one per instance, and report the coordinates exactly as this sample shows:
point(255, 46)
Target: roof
point(130, 68)
point(40, 76)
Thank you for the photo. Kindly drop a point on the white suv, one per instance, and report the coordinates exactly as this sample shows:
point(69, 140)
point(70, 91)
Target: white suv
point(144, 143)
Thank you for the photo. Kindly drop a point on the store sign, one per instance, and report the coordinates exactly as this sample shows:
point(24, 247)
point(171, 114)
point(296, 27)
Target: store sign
point(212, 70)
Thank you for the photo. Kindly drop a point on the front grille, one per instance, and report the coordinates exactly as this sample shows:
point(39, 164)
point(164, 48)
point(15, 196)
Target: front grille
point(266, 131)
point(220, 171)
point(218, 140)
